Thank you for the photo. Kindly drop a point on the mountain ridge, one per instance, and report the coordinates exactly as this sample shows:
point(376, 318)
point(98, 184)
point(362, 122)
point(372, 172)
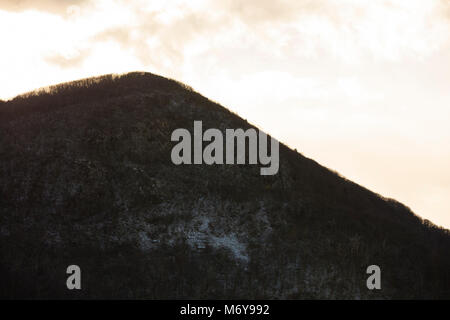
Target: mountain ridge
point(94, 156)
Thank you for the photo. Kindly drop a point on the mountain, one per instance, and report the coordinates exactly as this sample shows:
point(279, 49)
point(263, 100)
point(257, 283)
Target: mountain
point(86, 179)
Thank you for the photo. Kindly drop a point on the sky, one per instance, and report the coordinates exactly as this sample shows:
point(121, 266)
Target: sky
point(362, 87)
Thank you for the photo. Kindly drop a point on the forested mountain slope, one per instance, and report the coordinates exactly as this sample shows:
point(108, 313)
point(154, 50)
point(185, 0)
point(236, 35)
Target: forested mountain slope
point(86, 178)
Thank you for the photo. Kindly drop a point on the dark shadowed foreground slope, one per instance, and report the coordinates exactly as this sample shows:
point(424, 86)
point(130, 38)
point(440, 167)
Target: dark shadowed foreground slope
point(86, 178)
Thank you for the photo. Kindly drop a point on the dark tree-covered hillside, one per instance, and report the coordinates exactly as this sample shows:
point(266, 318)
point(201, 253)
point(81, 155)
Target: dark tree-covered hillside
point(86, 178)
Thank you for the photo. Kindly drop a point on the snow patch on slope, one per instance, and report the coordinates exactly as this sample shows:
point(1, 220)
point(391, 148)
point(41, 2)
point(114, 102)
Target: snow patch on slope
point(232, 243)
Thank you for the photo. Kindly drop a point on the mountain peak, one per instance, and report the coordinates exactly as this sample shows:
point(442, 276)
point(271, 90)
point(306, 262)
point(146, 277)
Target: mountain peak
point(87, 178)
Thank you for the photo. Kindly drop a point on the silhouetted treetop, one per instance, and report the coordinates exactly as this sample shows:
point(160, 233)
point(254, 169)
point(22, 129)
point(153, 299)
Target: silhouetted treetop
point(88, 90)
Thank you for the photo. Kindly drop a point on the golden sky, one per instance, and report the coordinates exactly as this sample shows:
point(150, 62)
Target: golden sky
point(363, 87)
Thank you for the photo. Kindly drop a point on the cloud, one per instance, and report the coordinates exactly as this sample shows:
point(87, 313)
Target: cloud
point(160, 37)
point(52, 6)
point(347, 30)
point(72, 60)
point(166, 36)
